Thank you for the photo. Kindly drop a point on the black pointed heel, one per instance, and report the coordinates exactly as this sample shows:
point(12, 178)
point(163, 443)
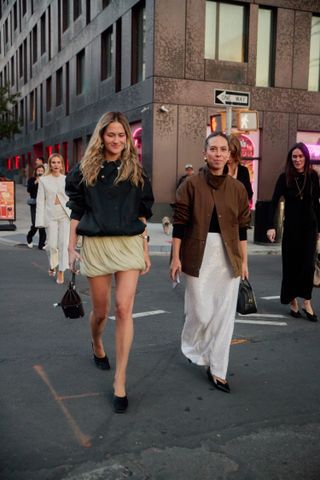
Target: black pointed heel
point(120, 404)
point(224, 387)
point(310, 316)
point(101, 362)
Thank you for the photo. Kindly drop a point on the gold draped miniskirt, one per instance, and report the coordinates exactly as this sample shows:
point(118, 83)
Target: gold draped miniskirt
point(106, 255)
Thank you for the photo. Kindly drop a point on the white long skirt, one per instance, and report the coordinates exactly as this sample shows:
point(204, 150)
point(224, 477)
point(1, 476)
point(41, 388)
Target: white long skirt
point(210, 308)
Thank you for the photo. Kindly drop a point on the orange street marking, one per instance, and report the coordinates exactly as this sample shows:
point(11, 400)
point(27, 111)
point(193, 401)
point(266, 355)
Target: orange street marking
point(80, 395)
point(83, 439)
point(239, 341)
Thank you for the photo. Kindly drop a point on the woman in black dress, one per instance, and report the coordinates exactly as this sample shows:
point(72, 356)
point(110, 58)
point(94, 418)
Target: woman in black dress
point(32, 189)
point(299, 186)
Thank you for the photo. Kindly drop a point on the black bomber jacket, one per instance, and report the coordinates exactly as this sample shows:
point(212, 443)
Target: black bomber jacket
point(106, 209)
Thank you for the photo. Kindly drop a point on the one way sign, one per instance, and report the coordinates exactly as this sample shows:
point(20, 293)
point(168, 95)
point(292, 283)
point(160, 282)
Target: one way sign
point(231, 98)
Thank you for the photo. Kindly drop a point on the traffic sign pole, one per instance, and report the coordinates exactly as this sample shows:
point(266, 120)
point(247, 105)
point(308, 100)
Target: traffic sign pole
point(229, 120)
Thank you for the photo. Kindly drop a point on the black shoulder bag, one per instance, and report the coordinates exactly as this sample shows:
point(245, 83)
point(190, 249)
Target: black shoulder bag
point(71, 302)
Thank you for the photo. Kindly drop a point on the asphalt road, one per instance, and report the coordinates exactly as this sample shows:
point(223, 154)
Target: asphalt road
point(56, 418)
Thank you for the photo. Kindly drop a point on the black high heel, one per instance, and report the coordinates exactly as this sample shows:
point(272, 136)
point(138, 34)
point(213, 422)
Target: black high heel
point(224, 387)
point(120, 404)
point(310, 316)
point(101, 362)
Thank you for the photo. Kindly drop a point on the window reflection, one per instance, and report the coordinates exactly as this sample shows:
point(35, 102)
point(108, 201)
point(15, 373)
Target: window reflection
point(314, 63)
point(264, 48)
point(225, 31)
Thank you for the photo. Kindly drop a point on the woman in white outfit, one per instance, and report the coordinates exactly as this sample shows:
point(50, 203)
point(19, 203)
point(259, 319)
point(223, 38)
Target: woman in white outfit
point(54, 215)
point(210, 246)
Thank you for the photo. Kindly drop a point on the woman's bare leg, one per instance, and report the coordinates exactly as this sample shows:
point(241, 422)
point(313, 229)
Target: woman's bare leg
point(100, 291)
point(294, 305)
point(308, 307)
point(126, 284)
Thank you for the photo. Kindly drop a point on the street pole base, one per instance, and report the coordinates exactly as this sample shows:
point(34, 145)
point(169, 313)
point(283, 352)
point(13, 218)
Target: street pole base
point(8, 226)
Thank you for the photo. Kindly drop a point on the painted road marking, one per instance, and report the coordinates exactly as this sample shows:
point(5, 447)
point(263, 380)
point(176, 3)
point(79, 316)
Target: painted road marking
point(263, 315)
point(83, 439)
point(239, 341)
point(262, 322)
point(144, 314)
point(272, 297)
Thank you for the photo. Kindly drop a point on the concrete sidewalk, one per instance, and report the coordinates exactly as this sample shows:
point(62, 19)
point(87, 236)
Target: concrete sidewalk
point(160, 243)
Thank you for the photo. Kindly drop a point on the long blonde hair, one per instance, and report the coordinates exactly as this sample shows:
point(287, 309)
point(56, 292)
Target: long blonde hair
point(235, 149)
point(93, 157)
point(48, 171)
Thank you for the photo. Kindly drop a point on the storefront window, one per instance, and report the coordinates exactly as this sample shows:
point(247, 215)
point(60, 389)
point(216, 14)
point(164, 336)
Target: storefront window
point(312, 141)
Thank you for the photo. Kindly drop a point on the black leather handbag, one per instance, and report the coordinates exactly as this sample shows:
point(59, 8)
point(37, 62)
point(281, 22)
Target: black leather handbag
point(246, 300)
point(71, 302)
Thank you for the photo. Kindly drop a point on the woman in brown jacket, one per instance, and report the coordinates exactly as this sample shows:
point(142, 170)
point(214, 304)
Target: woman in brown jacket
point(210, 246)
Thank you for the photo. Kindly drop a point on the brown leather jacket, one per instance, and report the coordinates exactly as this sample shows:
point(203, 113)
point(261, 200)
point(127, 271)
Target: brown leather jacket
point(195, 199)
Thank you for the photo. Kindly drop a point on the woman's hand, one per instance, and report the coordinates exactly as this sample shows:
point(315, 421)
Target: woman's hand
point(271, 234)
point(147, 262)
point(175, 268)
point(244, 270)
point(74, 256)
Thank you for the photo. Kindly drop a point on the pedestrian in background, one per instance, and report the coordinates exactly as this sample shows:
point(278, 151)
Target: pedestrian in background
point(39, 161)
point(111, 199)
point(299, 186)
point(188, 168)
point(210, 247)
point(236, 170)
point(32, 189)
point(53, 213)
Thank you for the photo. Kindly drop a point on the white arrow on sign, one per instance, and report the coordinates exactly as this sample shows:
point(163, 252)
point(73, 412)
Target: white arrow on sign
point(232, 98)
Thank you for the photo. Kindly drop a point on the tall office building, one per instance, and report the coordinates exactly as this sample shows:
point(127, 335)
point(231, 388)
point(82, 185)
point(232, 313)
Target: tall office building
point(169, 65)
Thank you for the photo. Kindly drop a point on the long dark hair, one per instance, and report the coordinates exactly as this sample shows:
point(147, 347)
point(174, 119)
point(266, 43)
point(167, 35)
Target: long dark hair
point(290, 170)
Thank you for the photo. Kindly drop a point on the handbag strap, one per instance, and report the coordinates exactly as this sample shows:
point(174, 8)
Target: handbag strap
point(73, 280)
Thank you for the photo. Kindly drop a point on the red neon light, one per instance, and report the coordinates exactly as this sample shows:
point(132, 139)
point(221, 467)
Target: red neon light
point(136, 135)
point(49, 150)
point(16, 161)
point(9, 165)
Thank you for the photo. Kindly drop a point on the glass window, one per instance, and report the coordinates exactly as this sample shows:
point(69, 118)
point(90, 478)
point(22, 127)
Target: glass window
point(32, 109)
point(88, 11)
point(59, 86)
point(314, 61)
point(138, 42)
point(106, 54)
point(65, 15)
point(20, 61)
point(15, 16)
point(76, 9)
point(67, 90)
point(118, 53)
point(48, 94)
point(265, 48)
point(80, 72)
point(12, 70)
point(35, 44)
point(225, 31)
point(43, 33)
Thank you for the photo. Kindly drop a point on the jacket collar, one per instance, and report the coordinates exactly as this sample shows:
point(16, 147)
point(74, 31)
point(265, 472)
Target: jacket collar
point(214, 181)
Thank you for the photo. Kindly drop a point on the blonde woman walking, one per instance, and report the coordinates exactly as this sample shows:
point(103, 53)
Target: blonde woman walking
point(53, 214)
point(111, 198)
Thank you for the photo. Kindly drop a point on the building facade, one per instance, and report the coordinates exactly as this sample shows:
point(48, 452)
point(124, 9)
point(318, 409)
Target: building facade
point(163, 63)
